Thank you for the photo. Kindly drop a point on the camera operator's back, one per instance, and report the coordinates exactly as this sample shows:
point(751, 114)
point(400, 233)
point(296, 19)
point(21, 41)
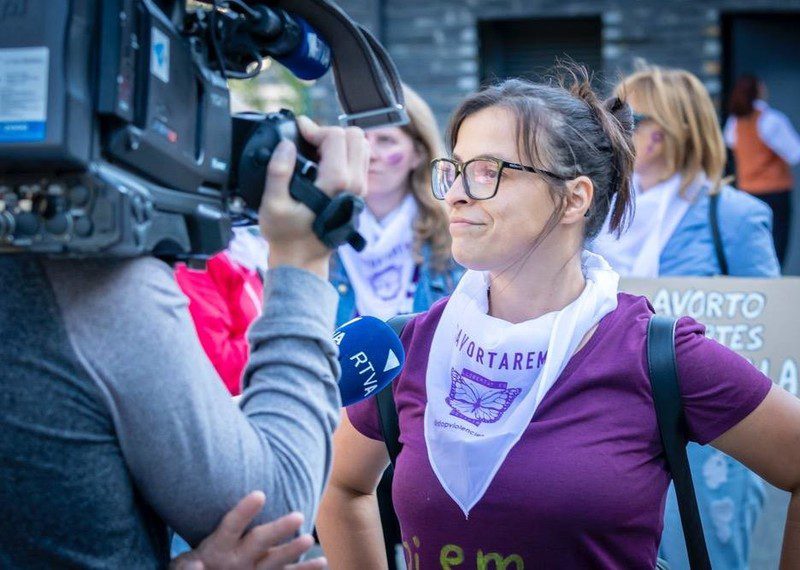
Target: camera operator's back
point(67, 496)
point(115, 424)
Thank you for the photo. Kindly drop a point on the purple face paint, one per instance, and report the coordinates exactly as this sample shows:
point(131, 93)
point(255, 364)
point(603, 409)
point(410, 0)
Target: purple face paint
point(394, 158)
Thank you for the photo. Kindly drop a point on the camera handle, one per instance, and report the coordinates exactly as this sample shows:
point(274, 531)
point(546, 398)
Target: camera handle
point(255, 137)
point(336, 221)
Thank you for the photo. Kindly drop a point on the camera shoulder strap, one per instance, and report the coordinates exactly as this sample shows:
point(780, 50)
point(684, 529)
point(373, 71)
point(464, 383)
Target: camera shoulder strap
point(367, 81)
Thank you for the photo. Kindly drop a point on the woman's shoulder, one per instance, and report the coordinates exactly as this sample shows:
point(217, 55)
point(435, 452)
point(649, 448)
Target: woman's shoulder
point(712, 403)
point(746, 226)
point(737, 205)
point(624, 330)
point(631, 311)
point(739, 214)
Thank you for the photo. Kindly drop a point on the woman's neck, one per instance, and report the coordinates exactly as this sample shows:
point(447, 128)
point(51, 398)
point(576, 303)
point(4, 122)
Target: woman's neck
point(535, 287)
point(652, 176)
point(383, 204)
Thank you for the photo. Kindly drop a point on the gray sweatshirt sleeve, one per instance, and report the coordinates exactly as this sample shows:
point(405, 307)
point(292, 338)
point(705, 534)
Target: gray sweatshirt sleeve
point(192, 453)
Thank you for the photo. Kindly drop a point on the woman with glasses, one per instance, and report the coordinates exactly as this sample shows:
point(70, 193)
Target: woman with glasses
point(529, 437)
point(680, 157)
point(406, 265)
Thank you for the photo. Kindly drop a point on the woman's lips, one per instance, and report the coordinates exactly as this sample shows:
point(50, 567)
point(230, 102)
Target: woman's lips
point(464, 223)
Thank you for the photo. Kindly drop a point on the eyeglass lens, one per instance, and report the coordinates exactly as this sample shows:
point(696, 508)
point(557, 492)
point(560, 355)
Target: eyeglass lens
point(480, 175)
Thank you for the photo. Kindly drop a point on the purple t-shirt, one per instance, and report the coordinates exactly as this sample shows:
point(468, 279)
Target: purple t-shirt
point(585, 485)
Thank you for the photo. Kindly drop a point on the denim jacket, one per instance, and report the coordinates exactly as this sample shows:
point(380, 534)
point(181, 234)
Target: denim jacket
point(745, 225)
point(431, 286)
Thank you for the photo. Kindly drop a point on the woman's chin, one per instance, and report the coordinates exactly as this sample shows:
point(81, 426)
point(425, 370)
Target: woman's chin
point(470, 256)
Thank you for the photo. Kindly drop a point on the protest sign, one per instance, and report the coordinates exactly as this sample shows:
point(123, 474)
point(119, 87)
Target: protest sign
point(757, 318)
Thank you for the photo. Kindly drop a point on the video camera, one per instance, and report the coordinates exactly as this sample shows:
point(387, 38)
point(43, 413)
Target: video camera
point(116, 137)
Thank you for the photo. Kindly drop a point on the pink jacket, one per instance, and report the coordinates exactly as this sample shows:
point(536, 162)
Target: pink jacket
point(223, 300)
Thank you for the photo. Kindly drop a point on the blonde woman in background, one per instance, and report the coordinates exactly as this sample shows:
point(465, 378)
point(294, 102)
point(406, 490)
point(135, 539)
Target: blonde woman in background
point(406, 265)
point(680, 158)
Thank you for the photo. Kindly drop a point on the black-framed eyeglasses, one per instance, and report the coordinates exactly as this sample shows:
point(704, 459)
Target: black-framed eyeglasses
point(481, 175)
point(639, 118)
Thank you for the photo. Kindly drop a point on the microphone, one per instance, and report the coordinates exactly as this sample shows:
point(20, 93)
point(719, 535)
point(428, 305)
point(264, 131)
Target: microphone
point(311, 58)
point(291, 41)
point(371, 356)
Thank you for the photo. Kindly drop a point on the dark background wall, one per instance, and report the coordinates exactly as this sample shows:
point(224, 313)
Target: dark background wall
point(446, 48)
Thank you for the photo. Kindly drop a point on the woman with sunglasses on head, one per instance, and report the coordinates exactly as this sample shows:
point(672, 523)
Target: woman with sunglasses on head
point(406, 265)
point(526, 415)
point(680, 158)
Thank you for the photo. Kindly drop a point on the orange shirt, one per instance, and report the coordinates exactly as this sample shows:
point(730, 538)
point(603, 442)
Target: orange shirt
point(759, 170)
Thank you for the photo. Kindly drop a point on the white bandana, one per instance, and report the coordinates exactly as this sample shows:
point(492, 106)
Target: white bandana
point(658, 211)
point(382, 274)
point(486, 376)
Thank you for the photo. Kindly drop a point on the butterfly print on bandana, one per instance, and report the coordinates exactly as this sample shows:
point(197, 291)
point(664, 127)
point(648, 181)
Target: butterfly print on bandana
point(386, 283)
point(476, 399)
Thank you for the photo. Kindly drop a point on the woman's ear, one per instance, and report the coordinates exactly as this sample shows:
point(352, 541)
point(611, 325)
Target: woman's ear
point(578, 200)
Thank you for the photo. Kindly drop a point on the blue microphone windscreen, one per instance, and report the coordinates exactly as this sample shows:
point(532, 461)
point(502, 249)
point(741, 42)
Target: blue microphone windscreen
point(311, 59)
point(371, 356)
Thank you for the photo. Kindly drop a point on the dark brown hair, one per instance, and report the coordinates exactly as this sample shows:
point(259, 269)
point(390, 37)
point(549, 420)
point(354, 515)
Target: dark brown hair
point(563, 127)
point(744, 93)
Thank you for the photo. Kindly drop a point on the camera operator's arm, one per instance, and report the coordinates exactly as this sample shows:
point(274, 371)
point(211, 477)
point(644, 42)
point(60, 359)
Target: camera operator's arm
point(190, 451)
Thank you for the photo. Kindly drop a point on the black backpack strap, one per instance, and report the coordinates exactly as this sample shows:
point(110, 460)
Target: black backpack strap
point(669, 413)
point(713, 215)
point(387, 411)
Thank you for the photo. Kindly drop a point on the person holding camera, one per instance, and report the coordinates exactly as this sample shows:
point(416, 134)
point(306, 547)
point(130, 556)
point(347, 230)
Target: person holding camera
point(116, 425)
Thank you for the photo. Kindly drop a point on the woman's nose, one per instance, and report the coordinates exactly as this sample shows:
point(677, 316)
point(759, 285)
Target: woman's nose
point(456, 193)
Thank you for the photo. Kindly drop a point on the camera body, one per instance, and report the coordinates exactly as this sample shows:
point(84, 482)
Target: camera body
point(116, 137)
point(114, 133)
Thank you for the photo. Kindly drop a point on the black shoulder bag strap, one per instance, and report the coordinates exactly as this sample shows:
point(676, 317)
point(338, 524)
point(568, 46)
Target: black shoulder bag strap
point(387, 411)
point(669, 412)
point(713, 215)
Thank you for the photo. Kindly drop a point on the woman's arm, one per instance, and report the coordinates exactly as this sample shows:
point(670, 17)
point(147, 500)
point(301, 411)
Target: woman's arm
point(349, 525)
point(768, 442)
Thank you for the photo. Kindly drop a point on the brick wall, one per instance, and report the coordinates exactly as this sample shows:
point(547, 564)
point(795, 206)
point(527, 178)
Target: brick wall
point(435, 42)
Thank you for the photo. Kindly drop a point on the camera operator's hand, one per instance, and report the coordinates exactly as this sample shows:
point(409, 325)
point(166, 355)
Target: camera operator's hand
point(286, 223)
point(263, 547)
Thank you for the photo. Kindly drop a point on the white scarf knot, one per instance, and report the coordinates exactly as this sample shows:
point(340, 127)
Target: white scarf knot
point(382, 274)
